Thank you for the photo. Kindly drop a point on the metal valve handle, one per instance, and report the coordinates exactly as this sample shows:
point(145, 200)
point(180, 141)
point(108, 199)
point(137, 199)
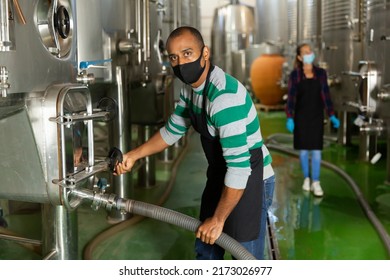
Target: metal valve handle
point(94, 63)
point(115, 156)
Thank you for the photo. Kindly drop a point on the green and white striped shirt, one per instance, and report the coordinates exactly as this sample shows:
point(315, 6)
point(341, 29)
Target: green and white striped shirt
point(231, 116)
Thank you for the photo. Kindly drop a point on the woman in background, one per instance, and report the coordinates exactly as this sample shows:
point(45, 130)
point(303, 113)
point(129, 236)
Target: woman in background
point(308, 95)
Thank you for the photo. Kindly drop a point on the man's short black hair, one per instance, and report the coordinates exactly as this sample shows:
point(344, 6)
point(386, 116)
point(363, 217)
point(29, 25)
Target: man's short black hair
point(182, 29)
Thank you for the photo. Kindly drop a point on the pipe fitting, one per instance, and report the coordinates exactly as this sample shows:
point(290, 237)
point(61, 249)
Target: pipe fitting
point(128, 45)
point(384, 93)
point(334, 80)
point(108, 201)
point(98, 199)
point(85, 78)
point(375, 128)
point(385, 38)
point(352, 74)
point(4, 85)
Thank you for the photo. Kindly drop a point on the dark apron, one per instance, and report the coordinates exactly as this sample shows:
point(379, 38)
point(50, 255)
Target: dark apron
point(309, 116)
point(243, 223)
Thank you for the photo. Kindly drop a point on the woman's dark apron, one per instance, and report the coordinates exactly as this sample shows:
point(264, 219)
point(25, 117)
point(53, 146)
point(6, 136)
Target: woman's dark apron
point(243, 223)
point(309, 116)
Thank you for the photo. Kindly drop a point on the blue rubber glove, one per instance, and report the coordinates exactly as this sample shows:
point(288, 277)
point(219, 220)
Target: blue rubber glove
point(290, 124)
point(335, 121)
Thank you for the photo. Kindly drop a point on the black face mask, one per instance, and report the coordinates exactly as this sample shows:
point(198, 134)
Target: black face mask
point(190, 72)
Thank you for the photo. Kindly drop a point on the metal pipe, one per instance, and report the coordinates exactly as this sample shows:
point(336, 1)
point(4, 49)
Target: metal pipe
point(147, 172)
point(372, 129)
point(20, 239)
point(146, 38)
point(5, 42)
point(175, 14)
point(319, 27)
point(361, 23)
point(82, 116)
point(384, 96)
point(59, 233)
point(352, 73)
point(120, 137)
point(50, 255)
point(146, 30)
point(179, 9)
point(388, 155)
point(4, 85)
point(138, 25)
point(27, 243)
point(299, 12)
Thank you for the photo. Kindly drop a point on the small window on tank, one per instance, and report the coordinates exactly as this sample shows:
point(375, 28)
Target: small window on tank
point(76, 134)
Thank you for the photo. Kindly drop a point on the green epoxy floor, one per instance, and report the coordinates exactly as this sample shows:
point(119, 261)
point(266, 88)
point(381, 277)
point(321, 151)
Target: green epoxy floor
point(332, 228)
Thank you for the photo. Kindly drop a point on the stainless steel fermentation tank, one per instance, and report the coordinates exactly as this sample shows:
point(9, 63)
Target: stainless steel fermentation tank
point(309, 23)
point(240, 34)
point(342, 49)
point(349, 37)
point(49, 117)
point(356, 66)
point(233, 30)
point(287, 23)
point(276, 21)
point(377, 40)
point(70, 71)
point(328, 26)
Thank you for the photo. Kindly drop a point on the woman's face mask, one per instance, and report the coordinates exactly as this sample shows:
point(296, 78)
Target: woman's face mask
point(190, 72)
point(308, 58)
